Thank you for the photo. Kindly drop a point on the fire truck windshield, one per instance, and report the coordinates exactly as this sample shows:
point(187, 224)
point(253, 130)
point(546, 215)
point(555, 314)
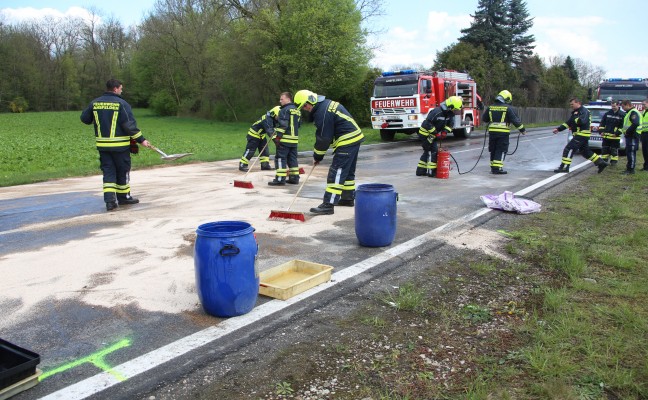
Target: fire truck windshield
point(624, 89)
point(395, 86)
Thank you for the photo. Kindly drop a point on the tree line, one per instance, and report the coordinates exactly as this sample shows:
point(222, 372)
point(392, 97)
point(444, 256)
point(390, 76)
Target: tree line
point(228, 60)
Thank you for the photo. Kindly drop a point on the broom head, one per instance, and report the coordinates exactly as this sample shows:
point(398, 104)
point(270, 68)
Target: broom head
point(298, 216)
point(243, 184)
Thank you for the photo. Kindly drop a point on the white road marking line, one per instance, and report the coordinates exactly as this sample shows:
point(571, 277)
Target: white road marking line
point(155, 358)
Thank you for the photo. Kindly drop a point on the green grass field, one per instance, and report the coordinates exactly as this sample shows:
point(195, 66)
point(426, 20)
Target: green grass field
point(50, 145)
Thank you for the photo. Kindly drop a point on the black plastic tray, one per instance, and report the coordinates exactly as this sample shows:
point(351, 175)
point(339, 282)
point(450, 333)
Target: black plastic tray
point(16, 363)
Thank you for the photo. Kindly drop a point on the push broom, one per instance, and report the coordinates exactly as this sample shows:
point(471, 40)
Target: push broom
point(247, 184)
point(299, 216)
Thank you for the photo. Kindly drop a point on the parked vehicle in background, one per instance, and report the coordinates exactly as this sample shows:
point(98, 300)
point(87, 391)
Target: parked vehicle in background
point(402, 99)
point(633, 89)
point(597, 109)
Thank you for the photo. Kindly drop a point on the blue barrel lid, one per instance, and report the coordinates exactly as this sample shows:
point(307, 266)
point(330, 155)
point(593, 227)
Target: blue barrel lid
point(221, 229)
point(375, 187)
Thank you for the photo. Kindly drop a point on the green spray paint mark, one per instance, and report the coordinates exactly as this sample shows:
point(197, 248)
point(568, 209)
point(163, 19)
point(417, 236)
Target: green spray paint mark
point(503, 232)
point(96, 359)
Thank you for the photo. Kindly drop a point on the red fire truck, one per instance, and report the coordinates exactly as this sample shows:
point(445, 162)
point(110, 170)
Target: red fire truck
point(402, 99)
point(633, 89)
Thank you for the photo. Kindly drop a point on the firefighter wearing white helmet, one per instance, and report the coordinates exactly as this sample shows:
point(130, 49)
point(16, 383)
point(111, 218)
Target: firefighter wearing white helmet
point(501, 116)
point(335, 126)
point(435, 126)
point(286, 139)
point(257, 139)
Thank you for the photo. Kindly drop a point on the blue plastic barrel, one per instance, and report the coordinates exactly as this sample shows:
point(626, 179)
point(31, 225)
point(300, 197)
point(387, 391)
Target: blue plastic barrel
point(375, 214)
point(225, 262)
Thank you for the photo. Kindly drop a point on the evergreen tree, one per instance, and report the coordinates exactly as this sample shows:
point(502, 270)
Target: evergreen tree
point(519, 24)
point(570, 69)
point(490, 29)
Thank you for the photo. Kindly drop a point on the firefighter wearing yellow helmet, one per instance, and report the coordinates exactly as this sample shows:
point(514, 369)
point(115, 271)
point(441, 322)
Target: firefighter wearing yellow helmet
point(286, 139)
point(501, 116)
point(435, 126)
point(257, 139)
point(335, 126)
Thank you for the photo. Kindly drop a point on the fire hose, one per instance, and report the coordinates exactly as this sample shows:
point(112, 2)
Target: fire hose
point(482, 152)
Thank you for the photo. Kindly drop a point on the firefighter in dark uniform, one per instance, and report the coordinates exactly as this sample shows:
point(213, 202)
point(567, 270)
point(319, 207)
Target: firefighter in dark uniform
point(579, 123)
point(435, 126)
point(630, 129)
point(286, 139)
point(335, 126)
point(257, 139)
point(501, 116)
point(610, 131)
point(115, 127)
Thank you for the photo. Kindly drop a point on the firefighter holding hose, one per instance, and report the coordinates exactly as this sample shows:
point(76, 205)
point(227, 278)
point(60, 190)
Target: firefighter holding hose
point(501, 116)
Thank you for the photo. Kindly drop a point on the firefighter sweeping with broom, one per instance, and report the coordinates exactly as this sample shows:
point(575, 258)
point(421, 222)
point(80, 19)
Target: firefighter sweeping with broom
point(436, 125)
point(257, 139)
point(333, 125)
point(286, 139)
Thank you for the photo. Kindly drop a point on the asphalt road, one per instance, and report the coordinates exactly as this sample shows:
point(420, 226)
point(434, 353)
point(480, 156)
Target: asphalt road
point(109, 300)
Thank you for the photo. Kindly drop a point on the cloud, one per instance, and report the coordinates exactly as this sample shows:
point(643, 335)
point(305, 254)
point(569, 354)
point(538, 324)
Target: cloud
point(403, 47)
point(570, 36)
point(27, 14)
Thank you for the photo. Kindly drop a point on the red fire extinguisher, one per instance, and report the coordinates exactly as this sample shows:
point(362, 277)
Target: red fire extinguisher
point(443, 164)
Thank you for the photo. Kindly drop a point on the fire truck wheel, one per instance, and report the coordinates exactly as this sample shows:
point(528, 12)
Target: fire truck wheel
point(466, 131)
point(387, 135)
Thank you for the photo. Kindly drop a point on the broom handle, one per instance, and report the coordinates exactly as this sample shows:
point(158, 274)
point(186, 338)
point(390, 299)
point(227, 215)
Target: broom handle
point(256, 159)
point(301, 187)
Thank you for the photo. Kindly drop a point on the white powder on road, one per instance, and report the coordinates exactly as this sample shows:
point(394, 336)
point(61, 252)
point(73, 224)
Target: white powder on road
point(148, 260)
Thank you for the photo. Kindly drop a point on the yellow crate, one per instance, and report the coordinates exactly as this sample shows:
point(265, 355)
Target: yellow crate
point(20, 386)
point(289, 279)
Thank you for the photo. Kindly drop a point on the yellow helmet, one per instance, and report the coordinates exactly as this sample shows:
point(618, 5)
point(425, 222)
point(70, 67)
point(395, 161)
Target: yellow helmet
point(454, 103)
point(305, 96)
point(505, 96)
point(274, 111)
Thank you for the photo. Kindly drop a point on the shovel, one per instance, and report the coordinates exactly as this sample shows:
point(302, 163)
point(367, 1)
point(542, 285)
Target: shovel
point(170, 157)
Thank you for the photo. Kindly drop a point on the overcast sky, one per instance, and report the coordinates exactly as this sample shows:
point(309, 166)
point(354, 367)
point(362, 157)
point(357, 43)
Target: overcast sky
point(604, 33)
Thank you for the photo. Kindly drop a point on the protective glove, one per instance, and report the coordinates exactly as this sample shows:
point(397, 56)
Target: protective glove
point(523, 131)
point(134, 148)
point(443, 134)
point(276, 140)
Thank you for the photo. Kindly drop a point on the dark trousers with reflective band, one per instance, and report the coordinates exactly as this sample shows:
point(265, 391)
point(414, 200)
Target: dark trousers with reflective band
point(340, 182)
point(286, 162)
point(428, 161)
point(610, 149)
point(578, 143)
point(632, 145)
point(254, 144)
point(644, 148)
point(116, 166)
point(498, 144)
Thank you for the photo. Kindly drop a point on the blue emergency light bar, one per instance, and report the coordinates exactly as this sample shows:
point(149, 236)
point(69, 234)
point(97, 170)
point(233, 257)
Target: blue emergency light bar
point(403, 72)
point(621, 79)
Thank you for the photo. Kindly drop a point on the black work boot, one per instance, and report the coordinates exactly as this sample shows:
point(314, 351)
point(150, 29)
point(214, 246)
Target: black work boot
point(421, 171)
point(294, 180)
point(243, 167)
point(432, 173)
point(601, 164)
point(613, 163)
point(277, 182)
point(266, 166)
point(323, 209)
point(127, 200)
point(111, 205)
point(628, 172)
point(346, 203)
point(562, 169)
point(499, 171)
